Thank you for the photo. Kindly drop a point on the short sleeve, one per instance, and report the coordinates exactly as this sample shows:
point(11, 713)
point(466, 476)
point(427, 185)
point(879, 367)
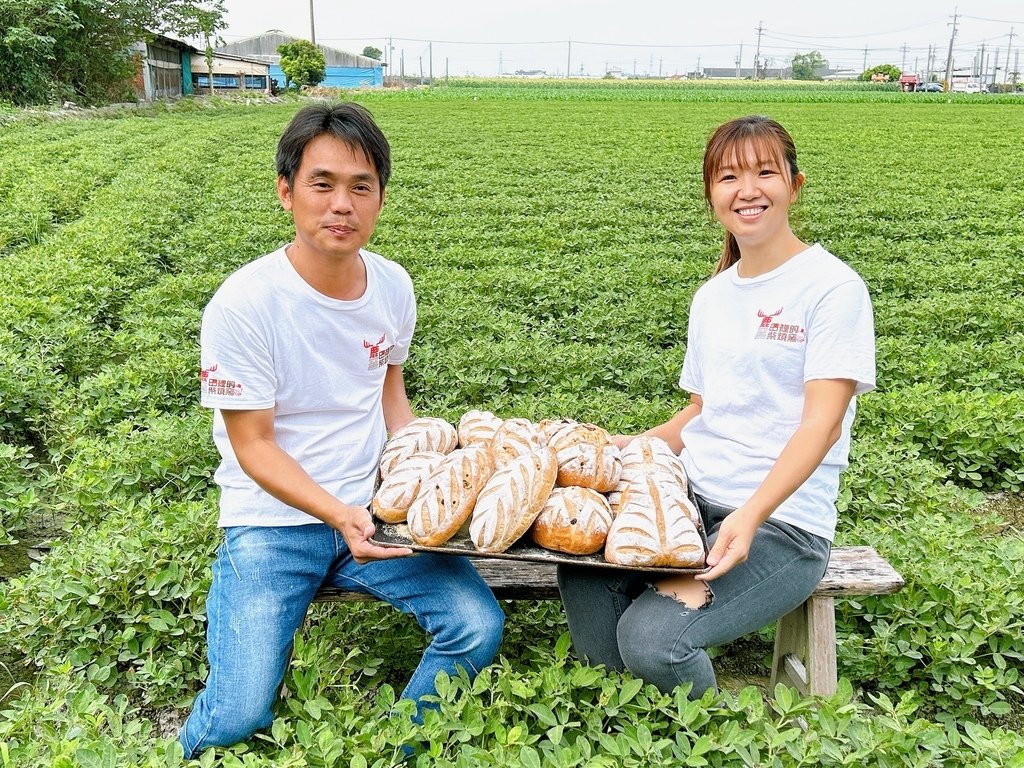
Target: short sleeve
point(237, 369)
point(841, 337)
point(406, 327)
point(691, 378)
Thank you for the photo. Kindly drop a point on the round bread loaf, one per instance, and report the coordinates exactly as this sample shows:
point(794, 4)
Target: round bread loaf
point(549, 427)
point(516, 437)
point(477, 427)
point(447, 495)
point(573, 520)
point(423, 434)
point(655, 530)
point(586, 457)
point(397, 491)
point(512, 499)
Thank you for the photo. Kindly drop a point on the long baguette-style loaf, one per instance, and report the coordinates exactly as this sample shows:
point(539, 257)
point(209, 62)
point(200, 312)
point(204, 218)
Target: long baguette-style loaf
point(512, 499)
point(516, 437)
point(397, 490)
point(447, 495)
point(477, 427)
point(423, 434)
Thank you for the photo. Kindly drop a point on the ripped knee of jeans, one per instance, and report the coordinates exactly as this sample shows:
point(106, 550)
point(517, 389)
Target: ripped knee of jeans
point(694, 594)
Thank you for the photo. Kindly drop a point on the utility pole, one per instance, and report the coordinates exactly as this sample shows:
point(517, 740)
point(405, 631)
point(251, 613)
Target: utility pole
point(903, 65)
point(501, 66)
point(312, 27)
point(757, 52)
point(568, 60)
point(739, 60)
point(949, 55)
point(430, 54)
point(995, 65)
point(1008, 47)
point(865, 67)
point(982, 66)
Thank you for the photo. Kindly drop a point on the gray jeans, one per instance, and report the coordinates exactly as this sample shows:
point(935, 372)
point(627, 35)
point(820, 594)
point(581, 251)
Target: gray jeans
point(618, 618)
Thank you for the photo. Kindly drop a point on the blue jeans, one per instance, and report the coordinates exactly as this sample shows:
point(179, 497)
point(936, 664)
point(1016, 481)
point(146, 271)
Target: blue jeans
point(263, 582)
point(619, 619)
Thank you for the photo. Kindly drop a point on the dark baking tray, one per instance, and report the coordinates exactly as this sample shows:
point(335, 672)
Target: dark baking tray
point(397, 535)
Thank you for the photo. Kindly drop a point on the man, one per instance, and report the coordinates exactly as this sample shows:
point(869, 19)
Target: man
point(301, 360)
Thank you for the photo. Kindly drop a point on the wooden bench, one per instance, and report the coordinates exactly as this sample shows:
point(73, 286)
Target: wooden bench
point(805, 639)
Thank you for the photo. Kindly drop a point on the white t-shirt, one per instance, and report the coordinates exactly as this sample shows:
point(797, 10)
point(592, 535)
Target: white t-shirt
point(752, 343)
point(269, 340)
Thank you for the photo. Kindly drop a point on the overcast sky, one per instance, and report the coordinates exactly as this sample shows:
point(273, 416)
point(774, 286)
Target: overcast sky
point(643, 36)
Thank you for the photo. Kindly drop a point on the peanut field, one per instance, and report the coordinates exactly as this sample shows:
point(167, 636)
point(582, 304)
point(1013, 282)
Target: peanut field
point(555, 235)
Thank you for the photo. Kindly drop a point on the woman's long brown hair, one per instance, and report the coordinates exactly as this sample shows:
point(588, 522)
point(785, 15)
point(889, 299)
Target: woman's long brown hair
point(725, 147)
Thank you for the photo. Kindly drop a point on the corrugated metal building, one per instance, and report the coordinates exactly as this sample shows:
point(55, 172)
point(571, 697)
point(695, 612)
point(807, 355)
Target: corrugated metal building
point(230, 73)
point(344, 70)
point(162, 68)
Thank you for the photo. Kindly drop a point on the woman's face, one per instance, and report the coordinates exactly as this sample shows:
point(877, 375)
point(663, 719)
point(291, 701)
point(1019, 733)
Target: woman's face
point(751, 194)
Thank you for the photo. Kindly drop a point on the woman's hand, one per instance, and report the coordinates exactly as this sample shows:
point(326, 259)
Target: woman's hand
point(732, 546)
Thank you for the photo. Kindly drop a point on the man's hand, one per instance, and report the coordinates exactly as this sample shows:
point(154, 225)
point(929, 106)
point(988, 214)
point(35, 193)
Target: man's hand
point(357, 527)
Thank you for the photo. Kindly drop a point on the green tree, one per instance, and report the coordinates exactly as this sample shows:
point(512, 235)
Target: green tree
point(203, 21)
point(372, 53)
point(51, 50)
point(806, 65)
point(302, 62)
point(891, 73)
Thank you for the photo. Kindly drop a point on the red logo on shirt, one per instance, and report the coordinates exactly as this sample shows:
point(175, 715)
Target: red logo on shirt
point(378, 357)
point(213, 386)
point(771, 331)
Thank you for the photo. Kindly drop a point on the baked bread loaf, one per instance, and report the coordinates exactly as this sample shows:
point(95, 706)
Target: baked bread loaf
point(516, 437)
point(447, 495)
point(651, 456)
point(424, 434)
point(639, 492)
point(551, 426)
point(573, 520)
point(586, 457)
point(512, 499)
point(397, 491)
point(655, 530)
point(477, 427)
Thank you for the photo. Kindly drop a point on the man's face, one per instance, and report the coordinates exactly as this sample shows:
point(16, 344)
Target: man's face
point(335, 200)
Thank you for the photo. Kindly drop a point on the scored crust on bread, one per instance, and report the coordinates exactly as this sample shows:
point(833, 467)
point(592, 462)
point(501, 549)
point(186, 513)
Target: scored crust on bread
point(512, 499)
point(516, 437)
point(477, 427)
point(655, 530)
point(550, 427)
point(586, 457)
point(397, 491)
point(426, 433)
point(447, 495)
point(646, 456)
point(573, 520)
point(667, 486)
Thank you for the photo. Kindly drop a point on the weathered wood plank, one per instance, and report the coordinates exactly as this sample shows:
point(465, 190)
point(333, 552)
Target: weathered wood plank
point(851, 571)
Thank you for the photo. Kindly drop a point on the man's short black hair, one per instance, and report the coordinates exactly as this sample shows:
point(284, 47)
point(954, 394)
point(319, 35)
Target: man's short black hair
point(347, 121)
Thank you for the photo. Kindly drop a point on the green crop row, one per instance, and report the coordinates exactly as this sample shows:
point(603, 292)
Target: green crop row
point(555, 242)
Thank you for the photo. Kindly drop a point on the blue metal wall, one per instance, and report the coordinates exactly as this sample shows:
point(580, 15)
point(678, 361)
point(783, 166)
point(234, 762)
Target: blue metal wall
point(341, 77)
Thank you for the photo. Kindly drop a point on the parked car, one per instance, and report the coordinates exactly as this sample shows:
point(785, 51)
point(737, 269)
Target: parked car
point(931, 87)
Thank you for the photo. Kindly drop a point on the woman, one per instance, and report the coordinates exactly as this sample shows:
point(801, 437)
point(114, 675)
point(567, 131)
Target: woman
point(780, 340)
